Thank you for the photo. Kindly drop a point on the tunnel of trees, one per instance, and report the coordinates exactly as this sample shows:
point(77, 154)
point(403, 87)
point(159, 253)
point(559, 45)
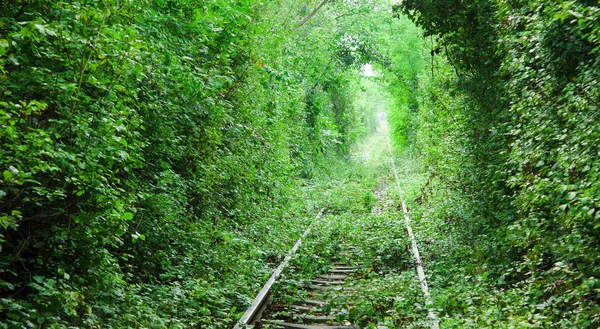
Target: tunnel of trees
point(157, 156)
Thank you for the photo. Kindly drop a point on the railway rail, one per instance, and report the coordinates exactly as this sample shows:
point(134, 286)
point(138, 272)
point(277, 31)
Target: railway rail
point(311, 306)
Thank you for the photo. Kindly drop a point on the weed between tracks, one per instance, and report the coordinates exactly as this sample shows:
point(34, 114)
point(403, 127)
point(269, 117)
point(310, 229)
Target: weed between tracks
point(362, 227)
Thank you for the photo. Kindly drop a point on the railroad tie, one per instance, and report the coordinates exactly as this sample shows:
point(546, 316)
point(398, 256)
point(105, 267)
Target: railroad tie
point(313, 312)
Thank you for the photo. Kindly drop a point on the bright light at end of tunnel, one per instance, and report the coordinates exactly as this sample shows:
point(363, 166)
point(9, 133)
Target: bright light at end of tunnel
point(367, 70)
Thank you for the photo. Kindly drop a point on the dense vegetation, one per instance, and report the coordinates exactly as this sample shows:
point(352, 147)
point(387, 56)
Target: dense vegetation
point(158, 157)
point(363, 226)
point(507, 132)
point(152, 152)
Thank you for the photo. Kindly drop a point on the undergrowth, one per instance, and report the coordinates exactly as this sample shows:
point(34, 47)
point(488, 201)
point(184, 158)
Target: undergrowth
point(361, 217)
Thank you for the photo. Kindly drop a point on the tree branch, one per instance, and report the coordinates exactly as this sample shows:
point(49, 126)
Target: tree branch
point(311, 14)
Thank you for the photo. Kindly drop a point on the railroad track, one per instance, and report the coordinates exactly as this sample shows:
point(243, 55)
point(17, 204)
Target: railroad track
point(311, 305)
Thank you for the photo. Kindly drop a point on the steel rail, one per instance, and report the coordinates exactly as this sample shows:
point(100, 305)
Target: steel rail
point(261, 298)
point(415, 251)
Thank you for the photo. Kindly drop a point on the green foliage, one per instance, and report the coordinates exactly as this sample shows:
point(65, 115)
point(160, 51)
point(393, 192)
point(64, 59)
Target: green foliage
point(385, 289)
point(506, 132)
point(157, 157)
point(400, 67)
point(151, 153)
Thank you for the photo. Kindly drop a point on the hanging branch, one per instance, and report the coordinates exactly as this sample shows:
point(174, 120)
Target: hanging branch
point(311, 14)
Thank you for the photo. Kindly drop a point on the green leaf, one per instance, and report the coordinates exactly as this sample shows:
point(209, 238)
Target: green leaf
point(7, 175)
point(40, 28)
point(135, 236)
point(127, 216)
point(3, 46)
point(13, 170)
